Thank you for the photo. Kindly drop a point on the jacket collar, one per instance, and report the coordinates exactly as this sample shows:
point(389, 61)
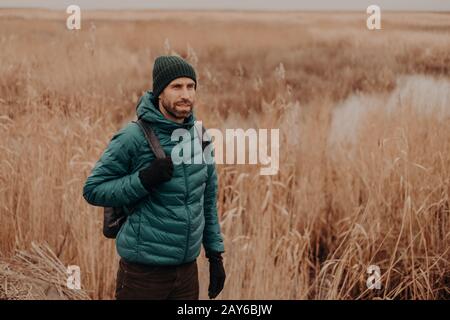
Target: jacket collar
point(148, 110)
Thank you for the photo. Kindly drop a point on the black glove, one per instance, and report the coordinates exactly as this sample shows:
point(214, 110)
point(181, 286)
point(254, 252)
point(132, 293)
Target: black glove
point(216, 274)
point(159, 171)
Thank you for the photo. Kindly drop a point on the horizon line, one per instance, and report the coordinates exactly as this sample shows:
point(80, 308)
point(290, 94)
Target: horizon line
point(226, 10)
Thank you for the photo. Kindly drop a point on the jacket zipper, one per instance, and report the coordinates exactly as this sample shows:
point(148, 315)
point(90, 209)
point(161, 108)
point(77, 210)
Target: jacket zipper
point(187, 211)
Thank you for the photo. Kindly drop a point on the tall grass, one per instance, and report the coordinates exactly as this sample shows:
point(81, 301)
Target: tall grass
point(365, 144)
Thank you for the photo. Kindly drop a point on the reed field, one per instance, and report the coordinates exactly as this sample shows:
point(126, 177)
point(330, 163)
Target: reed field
point(364, 174)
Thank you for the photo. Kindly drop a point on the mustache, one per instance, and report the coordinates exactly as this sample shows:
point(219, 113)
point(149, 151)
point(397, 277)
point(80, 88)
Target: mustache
point(186, 102)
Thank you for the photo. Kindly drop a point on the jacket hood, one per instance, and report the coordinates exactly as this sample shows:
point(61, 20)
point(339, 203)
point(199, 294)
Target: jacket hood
point(147, 110)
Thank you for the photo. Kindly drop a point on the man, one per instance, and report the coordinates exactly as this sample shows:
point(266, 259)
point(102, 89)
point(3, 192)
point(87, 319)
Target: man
point(174, 205)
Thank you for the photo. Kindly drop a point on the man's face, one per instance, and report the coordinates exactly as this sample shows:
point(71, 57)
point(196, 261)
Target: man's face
point(178, 98)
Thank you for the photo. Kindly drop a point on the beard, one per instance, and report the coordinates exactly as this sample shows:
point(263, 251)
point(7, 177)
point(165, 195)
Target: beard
point(179, 109)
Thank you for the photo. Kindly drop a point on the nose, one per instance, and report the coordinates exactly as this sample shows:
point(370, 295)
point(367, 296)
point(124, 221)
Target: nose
point(185, 93)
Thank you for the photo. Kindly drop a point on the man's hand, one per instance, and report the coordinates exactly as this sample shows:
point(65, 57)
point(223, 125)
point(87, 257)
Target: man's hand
point(159, 171)
point(216, 274)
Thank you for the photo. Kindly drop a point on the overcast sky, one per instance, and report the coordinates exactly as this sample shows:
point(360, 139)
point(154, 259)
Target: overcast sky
point(428, 5)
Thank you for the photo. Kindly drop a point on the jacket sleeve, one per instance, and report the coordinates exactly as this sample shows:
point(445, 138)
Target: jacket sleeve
point(212, 238)
point(110, 183)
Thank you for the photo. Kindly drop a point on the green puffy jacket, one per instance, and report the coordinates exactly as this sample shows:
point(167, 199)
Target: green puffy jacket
point(168, 225)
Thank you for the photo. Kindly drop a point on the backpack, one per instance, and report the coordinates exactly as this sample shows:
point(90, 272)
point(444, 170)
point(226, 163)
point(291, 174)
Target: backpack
point(115, 217)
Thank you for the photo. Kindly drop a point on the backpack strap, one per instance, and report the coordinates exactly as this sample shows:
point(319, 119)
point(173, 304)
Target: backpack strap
point(152, 139)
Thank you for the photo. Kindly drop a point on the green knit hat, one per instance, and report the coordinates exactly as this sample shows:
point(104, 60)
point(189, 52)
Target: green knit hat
point(168, 68)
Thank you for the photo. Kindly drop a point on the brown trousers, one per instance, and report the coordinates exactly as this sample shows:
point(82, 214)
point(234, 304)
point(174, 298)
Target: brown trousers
point(144, 282)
